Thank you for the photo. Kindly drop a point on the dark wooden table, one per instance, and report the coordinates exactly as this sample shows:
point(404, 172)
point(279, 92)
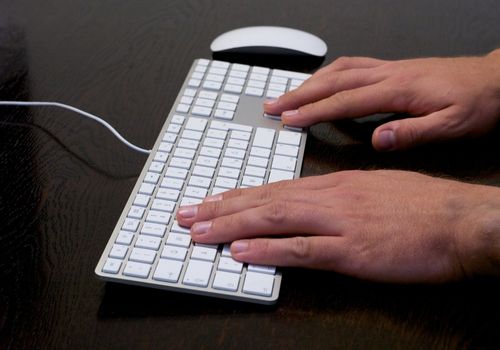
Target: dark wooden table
point(64, 180)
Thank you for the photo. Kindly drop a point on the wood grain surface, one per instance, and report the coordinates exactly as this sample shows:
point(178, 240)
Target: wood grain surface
point(64, 180)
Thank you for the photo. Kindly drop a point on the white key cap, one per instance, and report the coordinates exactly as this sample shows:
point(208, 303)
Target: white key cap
point(191, 134)
point(153, 229)
point(190, 201)
point(158, 217)
point(217, 71)
point(184, 153)
point(194, 82)
point(270, 270)
point(217, 190)
point(169, 137)
point(196, 124)
point(278, 175)
point(235, 143)
point(210, 142)
point(226, 281)
point(229, 264)
point(240, 67)
point(208, 95)
point(212, 85)
point(284, 163)
point(174, 128)
point(273, 94)
point(232, 163)
point(210, 152)
point(200, 69)
point(258, 284)
point(112, 266)
point(215, 77)
point(264, 137)
point(198, 273)
point(118, 251)
point(124, 238)
point(165, 147)
point(168, 270)
point(238, 74)
point(187, 143)
point(229, 172)
point(130, 225)
point(147, 189)
point(168, 193)
point(156, 167)
point(190, 92)
point(255, 171)
point(163, 205)
point(179, 229)
point(289, 138)
point(176, 173)
point(240, 135)
point(203, 253)
point(235, 80)
point(261, 70)
point(277, 87)
point(136, 212)
point(141, 200)
point(151, 178)
point(256, 84)
point(217, 134)
point(179, 239)
point(229, 98)
point(204, 102)
point(289, 74)
point(251, 91)
point(226, 105)
point(196, 192)
point(185, 100)
point(233, 88)
point(260, 152)
point(257, 161)
point(203, 111)
point(174, 253)
point(179, 119)
point(142, 255)
point(252, 181)
point(256, 76)
point(199, 181)
point(182, 108)
point(234, 153)
point(168, 182)
point(206, 161)
point(182, 163)
point(286, 150)
point(220, 64)
point(225, 182)
point(226, 250)
point(148, 242)
point(203, 171)
point(216, 124)
point(224, 114)
point(137, 269)
point(161, 157)
point(278, 80)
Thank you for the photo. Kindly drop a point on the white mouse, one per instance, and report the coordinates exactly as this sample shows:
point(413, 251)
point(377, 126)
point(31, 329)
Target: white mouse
point(269, 40)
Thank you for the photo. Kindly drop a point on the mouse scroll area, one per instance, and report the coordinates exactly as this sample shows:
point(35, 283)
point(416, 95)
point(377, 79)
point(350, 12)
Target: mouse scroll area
point(271, 57)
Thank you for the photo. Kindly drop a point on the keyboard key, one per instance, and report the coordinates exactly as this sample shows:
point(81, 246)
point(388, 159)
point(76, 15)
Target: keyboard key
point(207, 161)
point(176, 173)
point(179, 229)
point(264, 138)
point(270, 270)
point(251, 91)
point(130, 224)
point(224, 114)
point(284, 163)
point(118, 251)
point(226, 281)
point(152, 229)
point(286, 150)
point(289, 138)
point(203, 253)
point(196, 192)
point(137, 269)
point(124, 238)
point(229, 172)
point(258, 284)
point(142, 255)
point(112, 266)
point(182, 163)
point(225, 182)
point(168, 193)
point(163, 205)
point(257, 161)
point(136, 212)
point(172, 183)
point(232, 163)
point(158, 217)
point(174, 253)
point(152, 178)
point(179, 239)
point(279, 175)
point(203, 171)
point(147, 189)
point(148, 242)
point(198, 273)
point(217, 134)
point(230, 265)
point(168, 270)
point(199, 181)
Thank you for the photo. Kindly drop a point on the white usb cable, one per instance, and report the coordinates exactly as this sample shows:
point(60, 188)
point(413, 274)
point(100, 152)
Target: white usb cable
point(79, 111)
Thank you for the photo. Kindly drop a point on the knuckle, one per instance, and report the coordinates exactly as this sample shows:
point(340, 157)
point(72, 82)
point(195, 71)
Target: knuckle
point(277, 212)
point(213, 209)
point(301, 249)
point(341, 62)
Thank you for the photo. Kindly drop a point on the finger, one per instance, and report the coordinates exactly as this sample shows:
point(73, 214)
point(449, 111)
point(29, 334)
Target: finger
point(212, 209)
point(407, 133)
point(277, 217)
point(312, 252)
point(354, 103)
point(322, 87)
point(344, 63)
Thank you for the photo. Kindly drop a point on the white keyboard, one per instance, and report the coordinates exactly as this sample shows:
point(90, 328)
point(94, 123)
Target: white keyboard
point(215, 138)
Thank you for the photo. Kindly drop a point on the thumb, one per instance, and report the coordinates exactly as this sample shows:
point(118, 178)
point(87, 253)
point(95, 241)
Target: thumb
point(410, 132)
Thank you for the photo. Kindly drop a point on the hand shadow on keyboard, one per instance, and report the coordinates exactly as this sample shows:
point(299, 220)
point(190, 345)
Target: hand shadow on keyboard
point(122, 300)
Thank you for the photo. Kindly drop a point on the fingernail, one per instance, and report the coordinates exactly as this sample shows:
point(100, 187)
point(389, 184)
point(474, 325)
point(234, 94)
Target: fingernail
point(289, 114)
point(386, 140)
point(213, 198)
point(201, 227)
point(271, 101)
point(187, 211)
point(240, 246)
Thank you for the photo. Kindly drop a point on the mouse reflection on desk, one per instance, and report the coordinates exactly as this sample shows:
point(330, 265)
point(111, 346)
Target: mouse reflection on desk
point(276, 47)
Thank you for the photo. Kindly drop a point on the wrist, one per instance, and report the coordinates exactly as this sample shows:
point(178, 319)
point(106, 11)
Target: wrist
point(481, 236)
